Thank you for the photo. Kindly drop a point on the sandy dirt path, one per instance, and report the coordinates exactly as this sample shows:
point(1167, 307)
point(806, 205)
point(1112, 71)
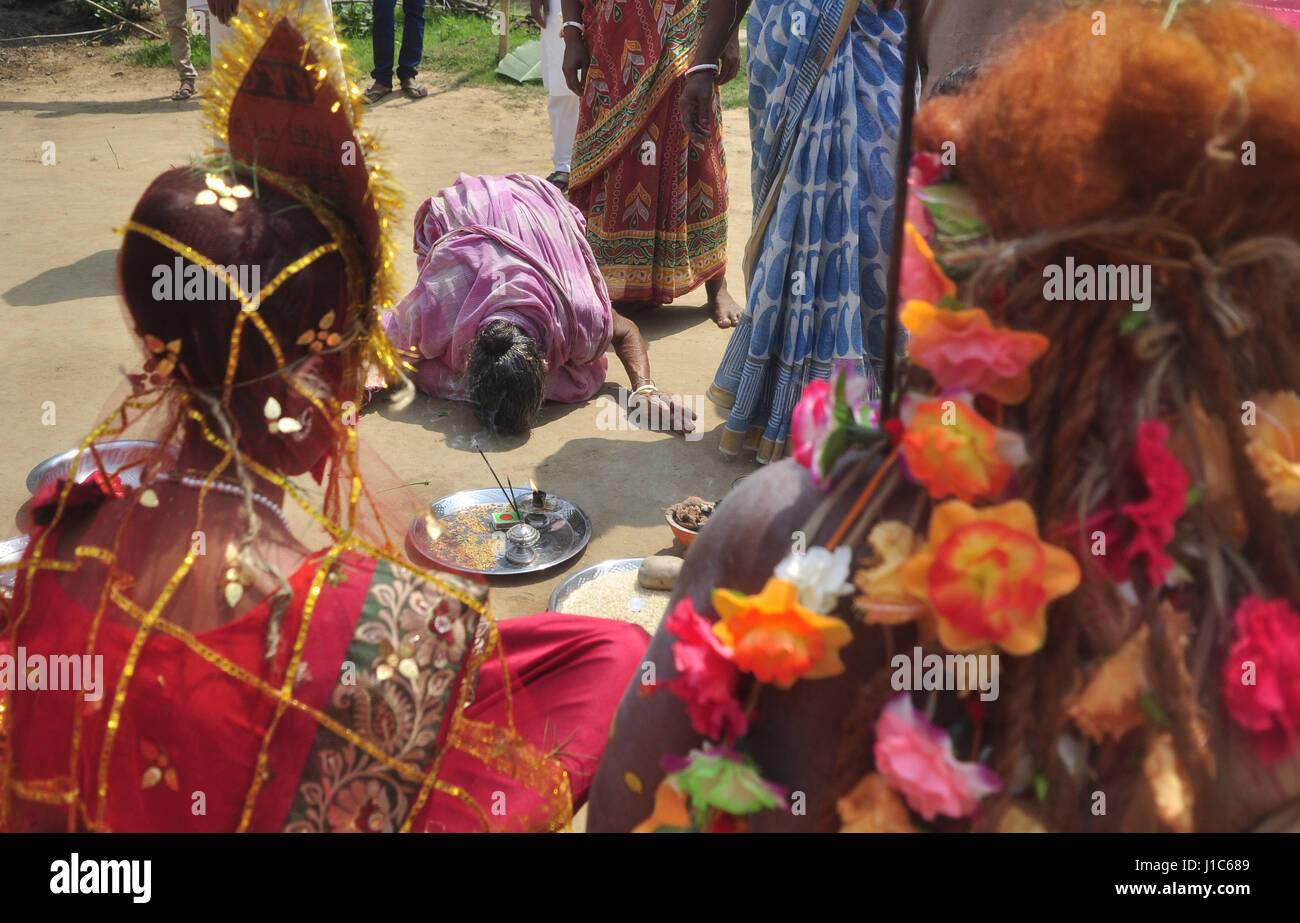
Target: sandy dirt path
point(63, 339)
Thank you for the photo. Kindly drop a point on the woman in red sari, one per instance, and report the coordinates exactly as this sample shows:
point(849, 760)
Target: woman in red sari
point(655, 201)
point(199, 639)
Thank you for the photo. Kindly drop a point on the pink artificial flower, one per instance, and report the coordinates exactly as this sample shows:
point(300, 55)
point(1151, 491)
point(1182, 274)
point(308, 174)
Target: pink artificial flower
point(706, 677)
point(922, 279)
point(927, 169)
point(810, 423)
point(918, 216)
point(916, 759)
point(963, 349)
point(1261, 675)
point(813, 418)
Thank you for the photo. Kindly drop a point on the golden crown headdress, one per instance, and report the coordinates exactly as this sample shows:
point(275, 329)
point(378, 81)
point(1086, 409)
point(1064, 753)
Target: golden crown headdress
point(281, 102)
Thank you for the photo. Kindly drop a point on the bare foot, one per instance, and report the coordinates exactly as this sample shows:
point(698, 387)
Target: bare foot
point(726, 312)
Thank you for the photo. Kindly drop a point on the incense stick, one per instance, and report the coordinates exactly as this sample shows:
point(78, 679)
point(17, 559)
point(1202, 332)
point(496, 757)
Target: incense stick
point(509, 497)
point(512, 498)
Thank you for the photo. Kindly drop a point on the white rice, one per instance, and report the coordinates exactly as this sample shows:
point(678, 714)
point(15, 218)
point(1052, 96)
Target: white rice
point(619, 596)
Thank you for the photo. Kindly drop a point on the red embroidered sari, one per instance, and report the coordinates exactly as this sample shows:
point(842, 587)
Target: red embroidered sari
point(386, 710)
point(655, 202)
point(202, 636)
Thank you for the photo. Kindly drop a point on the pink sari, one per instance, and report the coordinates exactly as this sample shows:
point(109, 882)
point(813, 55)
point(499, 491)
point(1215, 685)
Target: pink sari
point(504, 248)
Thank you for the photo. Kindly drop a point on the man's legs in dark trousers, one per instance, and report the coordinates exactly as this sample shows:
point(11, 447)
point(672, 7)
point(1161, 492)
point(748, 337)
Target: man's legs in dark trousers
point(408, 61)
point(382, 39)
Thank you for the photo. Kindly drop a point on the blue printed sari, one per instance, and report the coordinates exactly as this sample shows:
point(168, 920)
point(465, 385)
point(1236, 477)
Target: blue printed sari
point(824, 124)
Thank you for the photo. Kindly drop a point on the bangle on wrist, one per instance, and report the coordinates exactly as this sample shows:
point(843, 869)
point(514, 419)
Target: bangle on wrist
point(573, 22)
point(700, 68)
point(646, 387)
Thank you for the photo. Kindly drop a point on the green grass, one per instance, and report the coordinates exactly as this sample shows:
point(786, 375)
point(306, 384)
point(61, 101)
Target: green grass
point(458, 49)
point(735, 95)
point(159, 54)
point(462, 49)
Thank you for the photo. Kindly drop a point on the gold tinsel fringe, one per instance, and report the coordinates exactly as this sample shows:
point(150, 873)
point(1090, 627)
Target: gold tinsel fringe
point(228, 71)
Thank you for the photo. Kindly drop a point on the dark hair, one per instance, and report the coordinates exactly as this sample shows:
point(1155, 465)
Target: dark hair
point(267, 231)
point(506, 377)
point(955, 81)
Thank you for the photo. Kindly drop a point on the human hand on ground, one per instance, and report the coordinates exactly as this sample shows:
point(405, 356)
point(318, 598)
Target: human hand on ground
point(664, 411)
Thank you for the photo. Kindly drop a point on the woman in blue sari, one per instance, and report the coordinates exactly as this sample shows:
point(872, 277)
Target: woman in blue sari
point(825, 81)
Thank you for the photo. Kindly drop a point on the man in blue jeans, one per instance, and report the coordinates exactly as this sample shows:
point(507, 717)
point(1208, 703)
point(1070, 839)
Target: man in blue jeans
point(408, 59)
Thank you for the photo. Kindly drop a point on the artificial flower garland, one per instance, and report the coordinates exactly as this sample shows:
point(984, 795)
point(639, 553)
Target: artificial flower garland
point(980, 579)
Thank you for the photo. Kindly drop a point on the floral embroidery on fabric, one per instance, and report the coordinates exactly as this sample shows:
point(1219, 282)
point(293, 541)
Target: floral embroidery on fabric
point(160, 768)
point(410, 647)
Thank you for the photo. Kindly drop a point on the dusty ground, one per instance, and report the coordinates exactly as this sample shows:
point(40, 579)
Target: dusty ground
point(63, 339)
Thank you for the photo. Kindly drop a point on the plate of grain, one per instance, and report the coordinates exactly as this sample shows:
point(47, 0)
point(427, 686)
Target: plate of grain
point(610, 590)
point(465, 539)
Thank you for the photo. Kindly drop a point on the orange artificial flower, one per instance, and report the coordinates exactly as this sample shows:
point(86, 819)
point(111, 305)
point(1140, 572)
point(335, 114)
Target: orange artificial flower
point(873, 807)
point(1273, 444)
point(953, 451)
point(884, 600)
point(775, 638)
point(922, 277)
point(963, 350)
point(670, 810)
point(1110, 703)
point(988, 577)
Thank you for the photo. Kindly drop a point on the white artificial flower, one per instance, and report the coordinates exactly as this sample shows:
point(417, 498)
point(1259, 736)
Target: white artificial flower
point(821, 576)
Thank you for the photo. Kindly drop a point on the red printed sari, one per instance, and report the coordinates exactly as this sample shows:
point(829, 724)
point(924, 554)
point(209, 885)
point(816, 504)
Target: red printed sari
point(655, 202)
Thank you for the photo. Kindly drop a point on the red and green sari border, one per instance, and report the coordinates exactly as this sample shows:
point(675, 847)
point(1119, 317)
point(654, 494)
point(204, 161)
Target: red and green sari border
point(622, 121)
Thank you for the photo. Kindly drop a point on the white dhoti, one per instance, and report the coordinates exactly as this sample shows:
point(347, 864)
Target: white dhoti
point(561, 103)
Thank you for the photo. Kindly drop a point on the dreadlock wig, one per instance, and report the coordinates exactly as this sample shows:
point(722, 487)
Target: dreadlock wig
point(1171, 146)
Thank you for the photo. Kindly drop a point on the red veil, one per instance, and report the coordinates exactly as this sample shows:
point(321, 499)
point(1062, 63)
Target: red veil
point(244, 668)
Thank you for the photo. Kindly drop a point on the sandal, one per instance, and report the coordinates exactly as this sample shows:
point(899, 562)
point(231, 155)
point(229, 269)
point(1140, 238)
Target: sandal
point(377, 92)
point(560, 180)
point(184, 92)
point(414, 90)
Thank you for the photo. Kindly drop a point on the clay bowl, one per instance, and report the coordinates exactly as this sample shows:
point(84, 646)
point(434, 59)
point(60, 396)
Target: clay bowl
point(680, 532)
point(685, 534)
